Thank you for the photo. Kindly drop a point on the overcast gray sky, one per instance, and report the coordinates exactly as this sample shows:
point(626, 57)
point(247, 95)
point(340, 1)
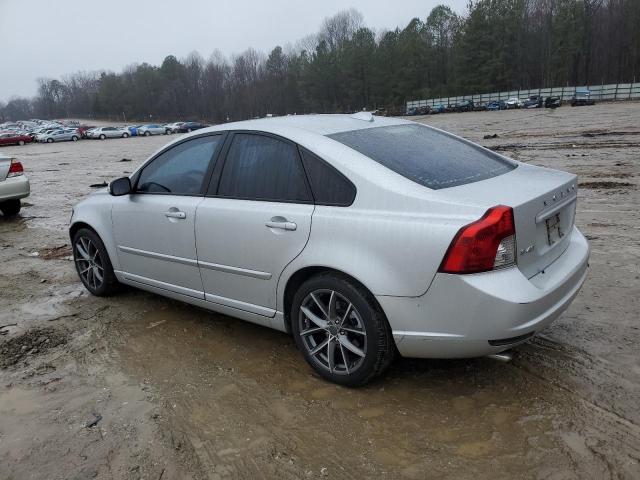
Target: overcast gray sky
point(41, 38)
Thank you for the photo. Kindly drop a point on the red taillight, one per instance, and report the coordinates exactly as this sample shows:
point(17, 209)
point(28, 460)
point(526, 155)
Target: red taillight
point(483, 245)
point(15, 169)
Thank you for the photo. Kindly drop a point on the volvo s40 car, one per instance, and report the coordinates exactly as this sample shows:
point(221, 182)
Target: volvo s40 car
point(361, 236)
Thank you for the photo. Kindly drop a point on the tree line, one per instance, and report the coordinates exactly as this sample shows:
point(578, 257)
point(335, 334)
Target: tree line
point(496, 45)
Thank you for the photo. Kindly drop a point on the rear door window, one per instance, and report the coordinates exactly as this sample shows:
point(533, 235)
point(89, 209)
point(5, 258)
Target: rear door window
point(261, 167)
point(426, 156)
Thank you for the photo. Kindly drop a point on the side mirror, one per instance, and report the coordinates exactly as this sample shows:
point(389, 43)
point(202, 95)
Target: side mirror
point(120, 186)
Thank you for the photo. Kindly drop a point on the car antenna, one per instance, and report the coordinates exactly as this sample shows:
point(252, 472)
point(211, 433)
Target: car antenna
point(364, 116)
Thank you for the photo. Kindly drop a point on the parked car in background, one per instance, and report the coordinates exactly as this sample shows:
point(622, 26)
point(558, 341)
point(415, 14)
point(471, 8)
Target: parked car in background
point(435, 216)
point(552, 102)
point(39, 131)
point(14, 185)
point(534, 101)
point(82, 130)
point(582, 97)
point(133, 130)
point(412, 111)
point(173, 127)
point(496, 105)
point(102, 133)
point(14, 139)
point(191, 126)
point(152, 129)
point(59, 135)
point(479, 107)
point(513, 102)
point(440, 108)
point(464, 106)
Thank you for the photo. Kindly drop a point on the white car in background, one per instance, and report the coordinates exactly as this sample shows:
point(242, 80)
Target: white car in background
point(152, 129)
point(514, 102)
point(173, 127)
point(14, 185)
point(102, 133)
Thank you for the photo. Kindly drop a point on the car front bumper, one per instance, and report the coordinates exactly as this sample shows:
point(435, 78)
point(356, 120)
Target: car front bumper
point(14, 187)
point(475, 315)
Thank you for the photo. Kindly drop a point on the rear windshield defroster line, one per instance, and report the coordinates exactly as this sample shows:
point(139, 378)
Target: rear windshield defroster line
point(429, 157)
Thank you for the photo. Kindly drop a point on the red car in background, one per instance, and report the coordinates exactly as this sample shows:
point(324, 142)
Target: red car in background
point(14, 139)
point(82, 130)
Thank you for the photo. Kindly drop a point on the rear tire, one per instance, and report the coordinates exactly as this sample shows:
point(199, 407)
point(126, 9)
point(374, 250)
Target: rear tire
point(146, 134)
point(10, 208)
point(49, 140)
point(346, 315)
point(21, 142)
point(74, 138)
point(93, 264)
point(125, 135)
point(103, 137)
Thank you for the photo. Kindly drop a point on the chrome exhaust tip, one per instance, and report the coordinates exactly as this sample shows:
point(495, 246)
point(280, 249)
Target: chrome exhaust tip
point(501, 357)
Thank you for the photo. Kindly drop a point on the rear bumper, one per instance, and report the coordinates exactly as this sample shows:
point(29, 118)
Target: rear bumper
point(14, 187)
point(474, 315)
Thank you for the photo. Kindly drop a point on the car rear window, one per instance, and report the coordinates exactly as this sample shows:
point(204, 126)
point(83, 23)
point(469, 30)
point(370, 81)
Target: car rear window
point(428, 157)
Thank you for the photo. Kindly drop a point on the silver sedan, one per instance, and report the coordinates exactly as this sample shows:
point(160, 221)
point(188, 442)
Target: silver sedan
point(102, 133)
point(153, 129)
point(59, 135)
point(361, 236)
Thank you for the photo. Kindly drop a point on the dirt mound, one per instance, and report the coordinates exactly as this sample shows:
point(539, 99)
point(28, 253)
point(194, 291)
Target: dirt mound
point(605, 185)
point(32, 342)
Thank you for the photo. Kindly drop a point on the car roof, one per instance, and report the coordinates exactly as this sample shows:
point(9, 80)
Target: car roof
point(324, 124)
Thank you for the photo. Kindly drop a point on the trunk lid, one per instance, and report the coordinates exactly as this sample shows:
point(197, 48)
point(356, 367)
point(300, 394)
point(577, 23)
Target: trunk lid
point(544, 206)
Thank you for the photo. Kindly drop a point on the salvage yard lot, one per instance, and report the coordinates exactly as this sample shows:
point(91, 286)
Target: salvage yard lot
point(139, 386)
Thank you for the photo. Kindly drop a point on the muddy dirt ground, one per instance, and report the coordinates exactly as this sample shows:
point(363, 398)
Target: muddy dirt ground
point(138, 386)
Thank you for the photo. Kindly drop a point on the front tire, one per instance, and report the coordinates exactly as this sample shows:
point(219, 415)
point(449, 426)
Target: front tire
point(49, 140)
point(93, 264)
point(146, 134)
point(10, 208)
point(341, 331)
point(103, 137)
point(74, 138)
point(21, 142)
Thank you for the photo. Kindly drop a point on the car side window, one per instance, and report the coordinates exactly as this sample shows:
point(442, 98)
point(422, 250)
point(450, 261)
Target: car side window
point(180, 170)
point(260, 167)
point(329, 186)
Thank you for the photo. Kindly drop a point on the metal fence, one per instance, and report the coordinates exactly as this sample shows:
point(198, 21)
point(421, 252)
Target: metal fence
point(614, 91)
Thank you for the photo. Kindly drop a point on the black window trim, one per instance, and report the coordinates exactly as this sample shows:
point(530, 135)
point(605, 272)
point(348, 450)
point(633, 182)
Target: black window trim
point(214, 185)
point(301, 151)
point(207, 175)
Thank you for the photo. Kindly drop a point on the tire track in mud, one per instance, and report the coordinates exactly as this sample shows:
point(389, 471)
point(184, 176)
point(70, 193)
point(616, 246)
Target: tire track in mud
point(602, 429)
point(562, 146)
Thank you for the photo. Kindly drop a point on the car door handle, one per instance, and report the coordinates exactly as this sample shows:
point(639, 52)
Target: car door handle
point(175, 214)
point(282, 225)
